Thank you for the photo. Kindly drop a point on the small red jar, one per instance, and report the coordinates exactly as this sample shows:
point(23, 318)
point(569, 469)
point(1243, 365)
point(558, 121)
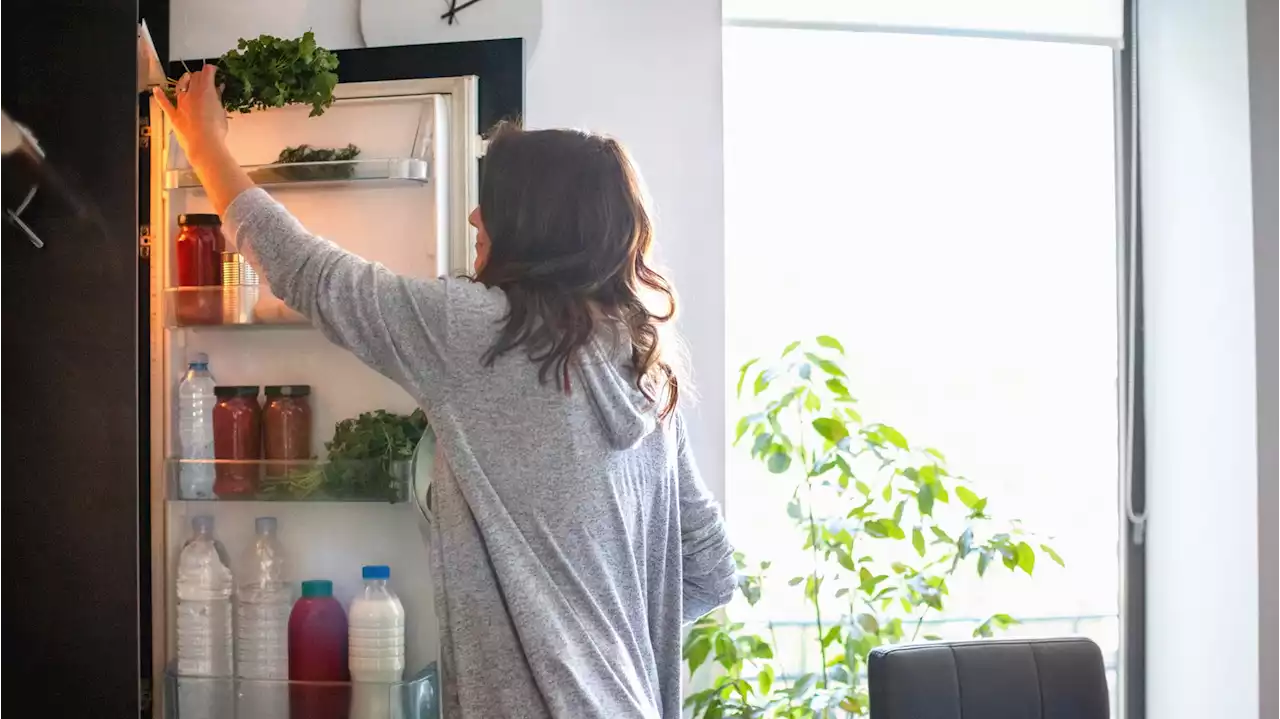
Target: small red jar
point(237, 435)
point(199, 250)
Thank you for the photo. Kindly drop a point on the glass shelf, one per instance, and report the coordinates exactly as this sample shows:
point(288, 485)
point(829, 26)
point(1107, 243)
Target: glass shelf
point(231, 697)
point(407, 170)
point(306, 480)
point(228, 306)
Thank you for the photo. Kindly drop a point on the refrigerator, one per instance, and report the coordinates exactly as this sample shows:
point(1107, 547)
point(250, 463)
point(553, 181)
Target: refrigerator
point(416, 113)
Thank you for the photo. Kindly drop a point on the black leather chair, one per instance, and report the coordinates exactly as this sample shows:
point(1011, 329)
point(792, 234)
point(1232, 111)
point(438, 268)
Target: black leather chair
point(993, 679)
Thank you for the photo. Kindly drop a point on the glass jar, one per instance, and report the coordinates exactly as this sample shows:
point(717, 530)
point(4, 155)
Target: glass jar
point(199, 249)
point(286, 427)
point(237, 435)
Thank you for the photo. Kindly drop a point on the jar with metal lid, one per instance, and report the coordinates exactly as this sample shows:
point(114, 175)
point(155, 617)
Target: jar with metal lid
point(199, 258)
point(286, 423)
point(237, 436)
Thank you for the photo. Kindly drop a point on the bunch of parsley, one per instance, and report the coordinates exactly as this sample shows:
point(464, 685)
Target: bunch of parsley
point(273, 72)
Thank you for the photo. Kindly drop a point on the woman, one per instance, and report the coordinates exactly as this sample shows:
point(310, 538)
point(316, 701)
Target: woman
point(573, 536)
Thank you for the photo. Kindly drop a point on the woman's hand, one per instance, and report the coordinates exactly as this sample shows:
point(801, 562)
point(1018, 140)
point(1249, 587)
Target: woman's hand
point(201, 124)
point(199, 119)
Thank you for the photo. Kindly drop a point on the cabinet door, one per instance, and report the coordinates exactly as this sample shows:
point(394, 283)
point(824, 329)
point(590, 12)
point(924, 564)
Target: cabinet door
point(71, 337)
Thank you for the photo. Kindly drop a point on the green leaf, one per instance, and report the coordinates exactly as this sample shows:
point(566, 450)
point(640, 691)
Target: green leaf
point(790, 348)
point(779, 462)
point(742, 374)
point(965, 543)
point(863, 488)
point(984, 561)
point(924, 500)
point(696, 653)
point(917, 541)
point(803, 686)
point(1052, 554)
point(831, 429)
point(794, 509)
point(812, 402)
point(942, 535)
point(939, 455)
point(967, 496)
point(765, 680)
point(830, 343)
point(838, 388)
point(1026, 558)
point(868, 623)
point(826, 365)
point(763, 379)
point(898, 511)
point(763, 442)
point(832, 635)
point(892, 436)
point(806, 371)
point(743, 425)
point(811, 586)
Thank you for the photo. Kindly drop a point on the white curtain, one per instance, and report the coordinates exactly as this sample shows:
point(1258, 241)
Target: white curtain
point(1085, 21)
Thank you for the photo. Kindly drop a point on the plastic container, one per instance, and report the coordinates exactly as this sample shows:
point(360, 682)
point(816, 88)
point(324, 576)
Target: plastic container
point(237, 435)
point(195, 429)
point(318, 653)
point(286, 427)
point(375, 645)
point(263, 603)
point(204, 590)
point(204, 604)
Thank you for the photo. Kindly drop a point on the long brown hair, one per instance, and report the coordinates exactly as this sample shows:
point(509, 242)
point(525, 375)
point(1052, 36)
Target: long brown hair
point(570, 233)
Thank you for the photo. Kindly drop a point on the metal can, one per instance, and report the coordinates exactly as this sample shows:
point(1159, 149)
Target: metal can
point(239, 289)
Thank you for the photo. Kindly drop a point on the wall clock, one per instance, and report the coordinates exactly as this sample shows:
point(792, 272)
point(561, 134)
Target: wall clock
point(415, 22)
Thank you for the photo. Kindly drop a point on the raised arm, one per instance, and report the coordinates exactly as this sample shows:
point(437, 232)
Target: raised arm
point(710, 575)
point(397, 325)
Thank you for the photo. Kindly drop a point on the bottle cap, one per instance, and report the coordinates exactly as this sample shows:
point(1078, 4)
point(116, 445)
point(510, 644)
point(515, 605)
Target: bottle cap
point(376, 571)
point(202, 523)
point(199, 220)
point(264, 525)
point(199, 358)
point(317, 588)
point(288, 390)
point(236, 391)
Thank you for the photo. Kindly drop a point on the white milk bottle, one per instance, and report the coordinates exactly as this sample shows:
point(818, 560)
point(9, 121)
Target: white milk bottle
point(375, 641)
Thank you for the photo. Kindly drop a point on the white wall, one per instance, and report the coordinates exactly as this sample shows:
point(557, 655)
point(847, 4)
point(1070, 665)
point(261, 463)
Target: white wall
point(1202, 550)
point(646, 72)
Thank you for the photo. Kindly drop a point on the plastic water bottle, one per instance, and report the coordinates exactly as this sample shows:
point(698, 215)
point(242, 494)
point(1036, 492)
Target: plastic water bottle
point(204, 624)
point(375, 642)
point(264, 599)
point(195, 429)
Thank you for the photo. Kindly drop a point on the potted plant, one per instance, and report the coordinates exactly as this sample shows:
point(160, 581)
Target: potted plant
point(885, 525)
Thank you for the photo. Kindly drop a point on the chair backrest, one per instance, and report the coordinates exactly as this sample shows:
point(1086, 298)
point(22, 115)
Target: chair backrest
point(993, 679)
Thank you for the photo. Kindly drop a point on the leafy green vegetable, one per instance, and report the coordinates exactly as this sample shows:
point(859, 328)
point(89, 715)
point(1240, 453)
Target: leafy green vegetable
point(273, 72)
point(303, 155)
point(368, 457)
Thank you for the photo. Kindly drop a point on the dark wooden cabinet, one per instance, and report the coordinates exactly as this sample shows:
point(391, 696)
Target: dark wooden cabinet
point(70, 377)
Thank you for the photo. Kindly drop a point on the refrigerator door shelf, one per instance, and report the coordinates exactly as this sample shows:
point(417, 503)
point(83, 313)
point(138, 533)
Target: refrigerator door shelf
point(403, 170)
point(306, 480)
point(228, 306)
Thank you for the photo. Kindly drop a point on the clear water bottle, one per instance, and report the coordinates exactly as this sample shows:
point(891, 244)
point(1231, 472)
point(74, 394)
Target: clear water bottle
point(205, 587)
point(195, 429)
point(375, 646)
point(263, 601)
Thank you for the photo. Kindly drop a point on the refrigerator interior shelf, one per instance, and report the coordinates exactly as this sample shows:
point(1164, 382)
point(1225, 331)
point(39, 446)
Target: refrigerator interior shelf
point(299, 480)
point(406, 170)
point(416, 697)
point(228, 306)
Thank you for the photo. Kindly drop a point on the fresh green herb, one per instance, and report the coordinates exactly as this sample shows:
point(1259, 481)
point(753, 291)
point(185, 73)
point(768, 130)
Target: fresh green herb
point(368, 459)
point(303, 156)
point(272, 72)
point(307, 153)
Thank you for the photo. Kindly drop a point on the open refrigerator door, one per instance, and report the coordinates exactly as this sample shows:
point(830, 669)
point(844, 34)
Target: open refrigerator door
point(402, 201)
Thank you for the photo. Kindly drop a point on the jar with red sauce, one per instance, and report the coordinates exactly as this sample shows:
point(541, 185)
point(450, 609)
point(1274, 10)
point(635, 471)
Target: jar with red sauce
point(237, 435)
point(286, 427)
point(199, 249)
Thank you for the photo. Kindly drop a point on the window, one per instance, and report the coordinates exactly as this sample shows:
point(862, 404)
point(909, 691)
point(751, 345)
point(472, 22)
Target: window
point(946, 207)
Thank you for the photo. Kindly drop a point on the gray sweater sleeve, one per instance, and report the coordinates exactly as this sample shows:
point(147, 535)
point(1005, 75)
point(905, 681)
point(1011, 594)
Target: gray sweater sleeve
point(710, 573)
point(397, 325)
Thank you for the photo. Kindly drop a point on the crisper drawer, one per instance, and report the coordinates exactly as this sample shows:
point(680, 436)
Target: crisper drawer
point(235, 698)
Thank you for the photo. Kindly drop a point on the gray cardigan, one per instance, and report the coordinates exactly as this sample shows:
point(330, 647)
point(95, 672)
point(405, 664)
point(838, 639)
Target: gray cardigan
point(573, 535)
